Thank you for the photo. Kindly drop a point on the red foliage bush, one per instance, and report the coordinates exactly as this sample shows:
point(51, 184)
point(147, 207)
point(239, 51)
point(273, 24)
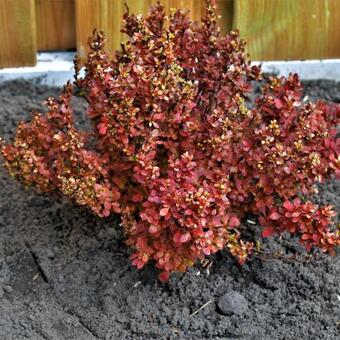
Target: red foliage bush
point(181, 152)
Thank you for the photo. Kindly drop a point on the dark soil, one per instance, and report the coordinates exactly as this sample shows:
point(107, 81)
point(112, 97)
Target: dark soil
point(65, 274)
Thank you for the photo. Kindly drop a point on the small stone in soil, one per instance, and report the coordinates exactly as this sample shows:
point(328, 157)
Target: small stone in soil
point(50, 253)
point(8, 289)
point(232, 303)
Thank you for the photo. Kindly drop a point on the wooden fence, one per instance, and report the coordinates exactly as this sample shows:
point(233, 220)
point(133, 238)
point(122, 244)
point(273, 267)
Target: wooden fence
point(274, 29)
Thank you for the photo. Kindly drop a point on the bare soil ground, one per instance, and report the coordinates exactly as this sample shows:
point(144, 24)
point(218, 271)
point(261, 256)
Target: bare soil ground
point(65, 274)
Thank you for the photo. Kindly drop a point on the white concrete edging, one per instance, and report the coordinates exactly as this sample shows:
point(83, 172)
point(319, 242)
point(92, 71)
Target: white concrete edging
point(55, 69)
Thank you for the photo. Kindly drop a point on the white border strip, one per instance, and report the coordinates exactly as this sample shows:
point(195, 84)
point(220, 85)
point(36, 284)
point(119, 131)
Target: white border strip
point(307, 70)
point(55, 69)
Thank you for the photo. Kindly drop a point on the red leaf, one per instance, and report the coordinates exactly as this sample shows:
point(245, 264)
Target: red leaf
point(185, 238)
point(308, 247)
point(44, 172)
point(288, 206)
point(286, 170)
point(164, 276)
point(164, 211)
point(246, 144)
point(207, 251)
point(142, 242)
point(216, 221)
point(153, 229)
point(137, 197)
point(275, 216)
point(278, 103)
point(305, 237)
point(102, 128)
point(269, 231)
point(316, 238)
point(177, 237)
point(159, 116)
point(116, 208)
point(234, 222)
point(198, 232)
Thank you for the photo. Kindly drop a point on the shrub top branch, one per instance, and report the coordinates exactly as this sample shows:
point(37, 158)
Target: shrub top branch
point(180, 148)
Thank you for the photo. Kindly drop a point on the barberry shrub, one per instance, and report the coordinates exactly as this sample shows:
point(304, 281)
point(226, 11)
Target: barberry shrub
point(179, 149)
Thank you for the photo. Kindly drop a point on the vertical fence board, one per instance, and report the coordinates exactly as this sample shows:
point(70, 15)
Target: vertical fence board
point(226, 10)
point(274, 29)
point(116, 10)
point(90, 14)
point(55, 24)
point(289, 29)
point(17, 33)
point(103, 15)
point(107, 15)
point(333, 28)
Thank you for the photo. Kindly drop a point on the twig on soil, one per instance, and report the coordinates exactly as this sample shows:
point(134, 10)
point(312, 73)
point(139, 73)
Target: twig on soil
point(89, 330)
point(264, 256)
point(36, 261)
point(137, 284)
point(202, 307)
point(206, 264)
